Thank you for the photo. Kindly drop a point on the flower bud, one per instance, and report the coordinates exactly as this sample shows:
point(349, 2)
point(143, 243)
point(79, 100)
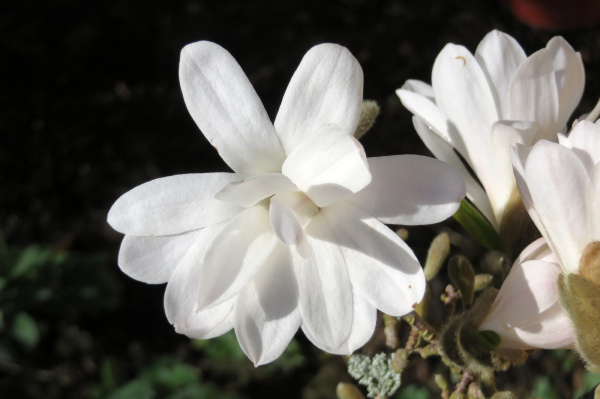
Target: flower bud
point(346, 390)
point(368, 113)
point(462, 276)
point(581, 300)
point(438, 251)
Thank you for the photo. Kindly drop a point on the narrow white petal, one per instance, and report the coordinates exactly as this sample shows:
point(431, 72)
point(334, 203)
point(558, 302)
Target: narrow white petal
point(504, 136)
point(533, 94)
point(266, 311)
point(325, 292)
point(382, 268)
point(234, 256)
point(329, 166)
point(226, 108)
point(444, 151)
point(584, 139)
point(182, 292)
point(326, 88)
point(425, 108)
point(251, 190)
point(558, 181)
point(569, 75)
point(419, 87)
point(153, 259)
point(459, 85)
point(410, 190)
point(593, 205)
point(173, 205)
point(499, 56)
point(364, 322)
point(287, 227)
point(519, 155)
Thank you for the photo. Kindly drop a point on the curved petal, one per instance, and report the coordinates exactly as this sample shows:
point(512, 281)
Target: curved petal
point(266, 311)
point(570, 77)
point(584, 140)
point(182, 292)
point(551, 330)
point(592, 201)
point(499, 56)
point(227, 110)
point(173, 205)
point(519, 155)
point(557, 181)
point(533, 94)
point(444, 152)
point(364, 321)
point(329, 166)
point(410, 190)
point(382, 268)
point(235, 255)
point(326, 88)
point(459, 85)
point(418, 87)
point(287, 227)
point(325, 292)
point(504, 136)
point(425, 108)
point(249, 191)
point(153, 259)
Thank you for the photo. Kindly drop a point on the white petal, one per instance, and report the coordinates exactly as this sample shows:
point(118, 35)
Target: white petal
point(499, 56)
point(593, 205)
point(426, 110)
point(325, 292)
point(235, 255)
point(584, 139)
point(533, 95)
point(519, 155)
point(419, 87)
point(443, 151)
point(226, 108)
point(557, 181)
point(266, 311)
point(504, 136)
point(570, 77)
point(153, 259)
point(549, 330)
point(459, 85)
point(173, 205)
point(329, 166)
point(382, 268)
point(364, 322)
point(326, 88)
point(410, 190)
point(182, 292)
point(287, 227)
point(249, 191)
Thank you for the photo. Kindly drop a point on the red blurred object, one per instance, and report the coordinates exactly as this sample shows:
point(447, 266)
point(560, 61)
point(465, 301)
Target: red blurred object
point(556, 15)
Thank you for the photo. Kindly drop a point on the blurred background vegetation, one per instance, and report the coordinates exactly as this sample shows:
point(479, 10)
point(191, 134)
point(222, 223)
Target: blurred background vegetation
point(90, 107)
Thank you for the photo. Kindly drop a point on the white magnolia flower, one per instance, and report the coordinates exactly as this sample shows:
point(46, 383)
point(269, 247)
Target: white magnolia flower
point(479, 105)
point(527, 313)
point(560, 187)
point(295, 236)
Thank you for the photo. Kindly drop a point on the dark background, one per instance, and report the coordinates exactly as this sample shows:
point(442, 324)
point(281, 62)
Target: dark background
point(90, 107)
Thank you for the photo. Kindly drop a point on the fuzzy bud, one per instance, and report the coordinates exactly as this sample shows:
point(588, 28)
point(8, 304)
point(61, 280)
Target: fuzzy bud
point(368, 113)
point(462, 276)
point(438, 251)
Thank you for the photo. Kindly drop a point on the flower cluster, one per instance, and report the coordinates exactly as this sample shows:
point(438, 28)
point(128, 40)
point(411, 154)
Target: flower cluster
point(296, 237)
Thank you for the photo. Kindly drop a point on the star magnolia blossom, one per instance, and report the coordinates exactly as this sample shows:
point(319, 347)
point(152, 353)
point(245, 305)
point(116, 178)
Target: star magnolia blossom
point(527, 313)
point(480, 105)
point(560, 186)
point(295, 236)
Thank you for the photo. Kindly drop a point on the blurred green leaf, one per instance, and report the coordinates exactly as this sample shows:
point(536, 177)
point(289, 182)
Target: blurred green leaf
point(170, 374)
point(544, 388)
point(25, 330)
point(413, 392)
point(136, 389)
point(29, 259)
point(590, 380)
point(478, 227)
point(224, 347)
point(107, 375)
